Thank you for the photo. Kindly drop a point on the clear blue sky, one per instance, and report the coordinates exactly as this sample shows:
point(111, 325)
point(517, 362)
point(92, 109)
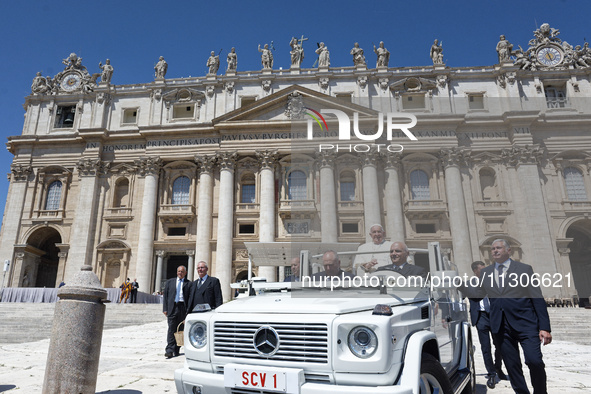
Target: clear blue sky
point(37, 35)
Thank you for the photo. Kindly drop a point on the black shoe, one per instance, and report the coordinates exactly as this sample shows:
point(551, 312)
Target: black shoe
point(176, 354)
point(492, 381)
point(168, 355)
point(501, 374)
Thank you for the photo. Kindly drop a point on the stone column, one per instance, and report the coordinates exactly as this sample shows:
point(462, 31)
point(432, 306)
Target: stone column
point(371, 193)
point(394, 211)
point(458, 218)
point(15, 203)
point(159, 263)
point(328, 202)
point(149, 168)
point(223, 266)
point(82, 233)
point(267, 206)
point(191, 265)
point(17, 268)
point(563, 268)
point(544, 257)
point(204, 208)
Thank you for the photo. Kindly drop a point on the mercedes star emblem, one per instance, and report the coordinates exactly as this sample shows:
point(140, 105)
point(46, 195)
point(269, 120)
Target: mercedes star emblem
point(266, 341)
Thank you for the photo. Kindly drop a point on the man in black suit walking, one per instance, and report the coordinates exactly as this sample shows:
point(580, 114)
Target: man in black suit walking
point(398, 255)
point(175, 297)
point(205, 289)
point(518, 316)
point(480, 317)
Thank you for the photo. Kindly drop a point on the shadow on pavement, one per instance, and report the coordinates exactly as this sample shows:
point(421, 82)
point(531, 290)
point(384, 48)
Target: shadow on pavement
point(6, 387)
point(121, 392)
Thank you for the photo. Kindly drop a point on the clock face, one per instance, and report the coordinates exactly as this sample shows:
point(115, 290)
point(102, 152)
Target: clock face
point(71, 82)
point(549, 56)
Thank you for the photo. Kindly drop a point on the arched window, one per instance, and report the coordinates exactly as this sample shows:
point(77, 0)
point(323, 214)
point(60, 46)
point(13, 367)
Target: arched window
point(121, 199)
point(488, 184)
point(180, 191)
point(419, 185)
point(296, 186)
point(248, 189)
point(54, 196)
point(575, 185)
point(347, 186)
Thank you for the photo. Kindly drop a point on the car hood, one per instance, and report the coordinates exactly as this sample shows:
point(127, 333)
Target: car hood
point(289, 303)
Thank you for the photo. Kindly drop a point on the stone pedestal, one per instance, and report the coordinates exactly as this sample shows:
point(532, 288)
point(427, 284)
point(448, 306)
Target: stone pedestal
point(76, 335)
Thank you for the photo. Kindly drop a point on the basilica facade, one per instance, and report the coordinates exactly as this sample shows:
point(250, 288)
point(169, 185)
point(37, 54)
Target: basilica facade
point(135, 180)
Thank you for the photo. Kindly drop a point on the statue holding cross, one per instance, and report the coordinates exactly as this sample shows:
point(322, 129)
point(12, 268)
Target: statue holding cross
point(297, 50)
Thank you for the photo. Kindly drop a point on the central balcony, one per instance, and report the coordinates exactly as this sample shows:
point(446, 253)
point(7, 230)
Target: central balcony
point(176, 213)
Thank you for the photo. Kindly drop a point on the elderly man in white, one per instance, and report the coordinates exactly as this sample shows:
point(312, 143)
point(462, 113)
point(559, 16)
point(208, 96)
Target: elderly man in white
point(369, 262)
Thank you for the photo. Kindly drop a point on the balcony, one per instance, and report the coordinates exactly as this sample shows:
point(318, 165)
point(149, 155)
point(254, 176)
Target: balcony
point(297, 208)
point(578, 207)
point(350, 206)
point(425, 209)
point(176, 213)
point(247, 207)
point(494, 207)
point(118, 213)
point(48, 215)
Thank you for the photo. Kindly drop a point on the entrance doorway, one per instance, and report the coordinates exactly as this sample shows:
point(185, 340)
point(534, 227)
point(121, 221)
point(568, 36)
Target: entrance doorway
point(580, 259)
point(43, 270)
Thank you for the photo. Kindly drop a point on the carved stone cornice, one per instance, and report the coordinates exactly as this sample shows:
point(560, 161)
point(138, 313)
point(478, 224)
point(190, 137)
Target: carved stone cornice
point(20, 173)
point(160, 253)
point(148, 165)
point(369, 159)
point(91, 167)
point(267, 158)
point(156, 94)
point(453, 157)
point(518, 155)
point(229, 86)
point(392, 160)
point(266, 84)
point(205, 162)
point(383, 83)
point(326, 159)
point(227, 160)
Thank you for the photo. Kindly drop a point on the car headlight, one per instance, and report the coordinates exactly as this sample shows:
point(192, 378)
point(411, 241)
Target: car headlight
point(198, 335)
point(362, 341)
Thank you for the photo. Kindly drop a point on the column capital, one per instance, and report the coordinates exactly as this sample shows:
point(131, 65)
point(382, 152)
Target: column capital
point(190, 252)
point(267, 158)
point(148, 165)
point(326, 159)
point(160, 253)
point(528, 154)
point(205, 162)
point(453, 156)
point(20, 173)
point(227, 160)
point(369, 159)
point(392, 160)
point(91, 167)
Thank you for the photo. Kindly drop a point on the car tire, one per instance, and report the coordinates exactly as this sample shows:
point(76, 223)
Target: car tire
point(471, 386)
point(433, 377)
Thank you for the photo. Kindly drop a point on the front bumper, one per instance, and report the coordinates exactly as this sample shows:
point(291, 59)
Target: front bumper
point(209, 383)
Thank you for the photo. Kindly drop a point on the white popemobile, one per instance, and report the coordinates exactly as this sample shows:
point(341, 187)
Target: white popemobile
point(384, 336)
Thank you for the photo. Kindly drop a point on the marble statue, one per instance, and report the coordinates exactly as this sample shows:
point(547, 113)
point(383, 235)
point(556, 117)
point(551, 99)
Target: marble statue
point(383, 55)
point(73, 62)
point(436, 52)
point(106, 71)
point(160, 68)
point(358, 58)
point(266, 57)
point(504, 49)
point(323, 55)
point(213, 63)
point(41, 85)
point(232, 60)
point(297, 50)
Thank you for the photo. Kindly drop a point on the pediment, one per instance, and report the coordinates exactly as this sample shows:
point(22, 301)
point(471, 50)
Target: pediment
point(274, 107)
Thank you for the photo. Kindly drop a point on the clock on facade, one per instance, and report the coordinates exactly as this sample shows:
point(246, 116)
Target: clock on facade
point(549, 56)
point(71, 82)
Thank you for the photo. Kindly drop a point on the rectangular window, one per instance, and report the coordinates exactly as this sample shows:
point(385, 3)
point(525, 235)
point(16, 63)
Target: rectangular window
point(349, 228)
point(347, 191)
point(425, 228)
point(183, 111)
point(476, 101)
point(555, 97)
point(344, 97)
point(64, 118)
point(248, 194)
point(413, 102)
point(246, 228)
point(130, 116)
point(177, 231)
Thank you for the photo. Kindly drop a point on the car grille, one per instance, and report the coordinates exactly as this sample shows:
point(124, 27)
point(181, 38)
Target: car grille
point(299, 342)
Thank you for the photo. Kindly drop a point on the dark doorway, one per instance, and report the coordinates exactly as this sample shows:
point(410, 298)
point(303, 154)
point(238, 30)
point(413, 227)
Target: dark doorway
point(173, 263)
point(580, 262)
point(45, 239)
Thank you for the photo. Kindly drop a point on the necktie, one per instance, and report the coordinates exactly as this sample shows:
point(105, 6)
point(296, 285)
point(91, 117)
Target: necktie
point(501, 268)
point(486, 303)
point(179, 287)
point(199, 283)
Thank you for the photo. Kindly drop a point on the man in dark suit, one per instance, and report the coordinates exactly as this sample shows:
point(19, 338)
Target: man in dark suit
point(295, 271)
point(174, 302)
point(134, 288)
point(518, 315)
point(480, 318)
point(205, 289)
point(332, 267)
point(398, 255)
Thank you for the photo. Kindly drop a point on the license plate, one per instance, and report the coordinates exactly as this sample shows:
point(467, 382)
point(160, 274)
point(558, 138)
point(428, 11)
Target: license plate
point(280, 380)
